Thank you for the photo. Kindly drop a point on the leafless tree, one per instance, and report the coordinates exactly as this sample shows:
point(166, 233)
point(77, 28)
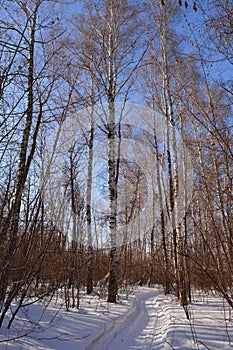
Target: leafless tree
point(112, 54)
point(28, 80)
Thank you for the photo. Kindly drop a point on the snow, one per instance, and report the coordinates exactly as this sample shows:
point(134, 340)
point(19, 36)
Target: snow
point(145, 319)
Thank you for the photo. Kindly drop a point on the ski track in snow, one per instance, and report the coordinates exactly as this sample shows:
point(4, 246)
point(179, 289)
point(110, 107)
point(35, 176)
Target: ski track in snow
point(144, 320)
point(141, 330)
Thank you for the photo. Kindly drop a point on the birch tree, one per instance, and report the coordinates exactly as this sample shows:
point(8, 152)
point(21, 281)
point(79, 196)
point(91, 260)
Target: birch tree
point(118, 53)
point(161, 94)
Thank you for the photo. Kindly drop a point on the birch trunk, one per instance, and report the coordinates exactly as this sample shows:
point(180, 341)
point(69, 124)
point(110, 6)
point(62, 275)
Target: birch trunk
point(88, 203)
point(112, 189)
point(172, 162)
point(161, 207)
point(112, 185)
point(162, 219)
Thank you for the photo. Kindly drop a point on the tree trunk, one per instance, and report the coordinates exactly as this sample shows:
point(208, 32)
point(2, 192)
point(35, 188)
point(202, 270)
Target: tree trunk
point(172, 162)
point(88, 204)
point(23, 162)
point(112, 188)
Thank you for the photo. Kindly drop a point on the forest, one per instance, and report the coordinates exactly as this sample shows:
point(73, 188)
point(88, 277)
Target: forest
point(116, 149)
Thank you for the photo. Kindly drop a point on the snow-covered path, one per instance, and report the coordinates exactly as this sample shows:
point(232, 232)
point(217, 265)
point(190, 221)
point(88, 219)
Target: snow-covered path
point(142, 319)
point(141, 330)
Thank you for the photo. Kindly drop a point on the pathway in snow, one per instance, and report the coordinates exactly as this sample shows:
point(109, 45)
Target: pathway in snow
point(146, 320)
point(141, 330)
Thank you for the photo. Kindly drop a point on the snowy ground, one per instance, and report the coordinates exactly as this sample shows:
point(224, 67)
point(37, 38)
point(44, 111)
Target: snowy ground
point(145, 320)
